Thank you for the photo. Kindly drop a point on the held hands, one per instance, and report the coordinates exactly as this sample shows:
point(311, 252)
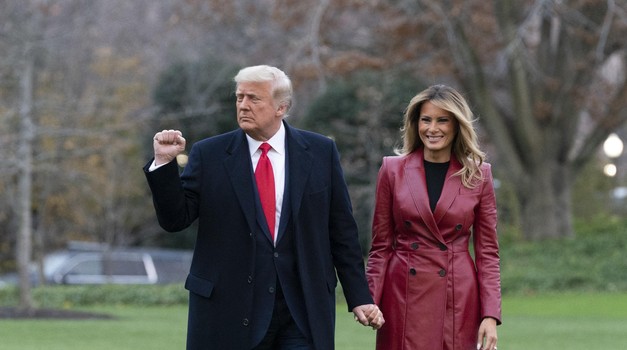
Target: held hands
point(167, 145)
point(369, 315)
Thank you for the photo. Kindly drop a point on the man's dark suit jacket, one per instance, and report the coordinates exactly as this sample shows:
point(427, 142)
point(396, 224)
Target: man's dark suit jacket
point(235, 266)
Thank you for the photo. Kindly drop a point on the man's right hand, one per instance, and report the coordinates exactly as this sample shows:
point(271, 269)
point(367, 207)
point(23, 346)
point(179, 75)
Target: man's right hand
point(168, 144)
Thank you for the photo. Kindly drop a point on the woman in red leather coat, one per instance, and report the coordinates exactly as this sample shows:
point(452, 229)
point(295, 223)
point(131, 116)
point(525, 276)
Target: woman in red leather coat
point(430, 200)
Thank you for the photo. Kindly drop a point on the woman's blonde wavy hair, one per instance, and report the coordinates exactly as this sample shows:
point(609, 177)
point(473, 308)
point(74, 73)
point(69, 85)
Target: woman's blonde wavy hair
point(465, 145)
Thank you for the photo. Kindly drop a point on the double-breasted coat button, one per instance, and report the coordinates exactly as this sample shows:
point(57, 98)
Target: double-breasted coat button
point(412, 271)
point(442, 273)
point(458, 227)
point(407, 223)
point(245, 322)
point(250, 279)
point(271, 290)
point(414, 246)
point(442, 246)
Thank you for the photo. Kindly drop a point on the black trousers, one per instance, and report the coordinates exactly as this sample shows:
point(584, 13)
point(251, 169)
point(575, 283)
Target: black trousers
point(283, 333)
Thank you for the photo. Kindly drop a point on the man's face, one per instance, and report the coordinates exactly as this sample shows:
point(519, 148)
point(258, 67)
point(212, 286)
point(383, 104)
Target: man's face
point(257, 113)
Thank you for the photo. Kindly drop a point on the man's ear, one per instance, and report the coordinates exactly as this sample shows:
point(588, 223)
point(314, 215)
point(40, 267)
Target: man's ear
point(282, 109)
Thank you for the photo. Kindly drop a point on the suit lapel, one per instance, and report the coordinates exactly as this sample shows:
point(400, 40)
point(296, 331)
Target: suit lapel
point(298, 161)
point(286, 206)
point(417, 183)
point(236, 164)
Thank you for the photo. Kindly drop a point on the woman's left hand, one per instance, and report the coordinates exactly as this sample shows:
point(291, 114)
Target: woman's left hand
point(486, 339)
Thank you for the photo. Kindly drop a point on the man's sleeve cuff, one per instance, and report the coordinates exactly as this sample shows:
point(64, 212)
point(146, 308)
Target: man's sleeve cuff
point(154, 167)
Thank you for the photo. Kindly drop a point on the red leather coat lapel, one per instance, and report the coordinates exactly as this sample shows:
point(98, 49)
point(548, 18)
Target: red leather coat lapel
point(417, 183)
point(450, 190)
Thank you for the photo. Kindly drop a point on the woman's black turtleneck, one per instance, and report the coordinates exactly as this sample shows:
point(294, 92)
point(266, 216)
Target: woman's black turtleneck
point(435, 174)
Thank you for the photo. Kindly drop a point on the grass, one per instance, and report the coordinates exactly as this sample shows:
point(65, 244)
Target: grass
point(558, 321)
point(564, 321)
point(551, 321)
point(135, 327)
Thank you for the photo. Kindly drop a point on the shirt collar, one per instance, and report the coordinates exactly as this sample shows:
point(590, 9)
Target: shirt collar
point(277, 142)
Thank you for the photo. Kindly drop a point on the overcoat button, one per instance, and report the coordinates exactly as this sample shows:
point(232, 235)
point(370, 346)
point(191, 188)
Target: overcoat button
point(412, 271)
point(245, 322)
point(276, 255)
point(250, 279)
point(443, 246)
point(442, 273)
point(414, 246)
point(458, 227)
point(407, 223)
point(271, 290)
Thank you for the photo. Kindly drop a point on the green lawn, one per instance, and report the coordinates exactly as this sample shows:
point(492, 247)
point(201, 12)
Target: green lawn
point(564, 321)
point(135, 327)
point(561, 321)
point(568, 321)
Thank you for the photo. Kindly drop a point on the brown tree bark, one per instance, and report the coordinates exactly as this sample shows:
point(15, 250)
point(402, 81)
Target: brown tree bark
point(25, 181)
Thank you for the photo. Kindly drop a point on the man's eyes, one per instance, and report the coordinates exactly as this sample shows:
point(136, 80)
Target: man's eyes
point(240, 98)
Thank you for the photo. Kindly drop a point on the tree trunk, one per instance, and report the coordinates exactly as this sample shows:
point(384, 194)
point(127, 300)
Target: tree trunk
point(25, 161)
point(546, 203)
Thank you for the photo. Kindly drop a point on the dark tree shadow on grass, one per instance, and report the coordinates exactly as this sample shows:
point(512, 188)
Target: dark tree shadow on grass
point(57, 314)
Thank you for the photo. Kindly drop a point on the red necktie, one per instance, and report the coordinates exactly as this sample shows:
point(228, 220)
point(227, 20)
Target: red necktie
point(265, 186)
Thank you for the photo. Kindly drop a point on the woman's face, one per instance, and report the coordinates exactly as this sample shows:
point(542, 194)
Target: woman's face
point(437, 129)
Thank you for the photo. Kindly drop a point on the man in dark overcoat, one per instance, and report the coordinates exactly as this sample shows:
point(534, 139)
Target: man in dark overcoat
point(268, 251)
